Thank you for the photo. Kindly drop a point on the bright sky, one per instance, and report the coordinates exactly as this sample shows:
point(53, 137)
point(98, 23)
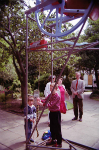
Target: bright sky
point(32, 3)
point(75, 22)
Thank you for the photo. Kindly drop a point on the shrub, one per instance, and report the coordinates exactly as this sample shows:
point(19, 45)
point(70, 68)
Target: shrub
point(95, 93)
point(16, 84)
point(42, 82)
point(2, 97)
point(15, 96)
point(41, 94)
point(29, 89)
point(8, 96)
point(67, 84)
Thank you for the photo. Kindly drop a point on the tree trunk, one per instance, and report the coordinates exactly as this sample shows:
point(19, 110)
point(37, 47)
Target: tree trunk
point(21, 76)
point(97, 80)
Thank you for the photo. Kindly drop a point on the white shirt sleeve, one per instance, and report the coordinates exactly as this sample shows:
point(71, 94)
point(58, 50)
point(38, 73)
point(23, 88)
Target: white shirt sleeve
point(47, 89)
point(63, 86)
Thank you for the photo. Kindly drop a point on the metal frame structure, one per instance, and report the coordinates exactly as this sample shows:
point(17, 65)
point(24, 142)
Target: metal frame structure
point(71, 50)
point(60, 19)
point(47, 5)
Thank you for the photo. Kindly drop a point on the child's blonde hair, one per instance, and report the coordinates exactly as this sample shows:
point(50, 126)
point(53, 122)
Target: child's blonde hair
point(30, 98)
point(52, 84)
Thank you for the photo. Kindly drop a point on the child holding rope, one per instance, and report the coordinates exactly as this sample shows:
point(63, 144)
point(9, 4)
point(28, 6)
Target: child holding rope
point(31, 116)
point(55, 116)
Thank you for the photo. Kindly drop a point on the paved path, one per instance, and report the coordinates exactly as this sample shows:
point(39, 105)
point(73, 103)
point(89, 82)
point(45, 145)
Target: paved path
point(12, 135)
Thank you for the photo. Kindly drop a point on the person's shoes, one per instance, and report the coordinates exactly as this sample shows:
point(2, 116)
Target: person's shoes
point(74, 118)
point(51, 142)
point(57, 145)
point(80, 119)
point(54, 145)
point(31, 140)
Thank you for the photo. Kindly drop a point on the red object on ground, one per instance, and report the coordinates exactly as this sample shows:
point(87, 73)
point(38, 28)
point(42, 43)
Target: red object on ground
point(37, 43)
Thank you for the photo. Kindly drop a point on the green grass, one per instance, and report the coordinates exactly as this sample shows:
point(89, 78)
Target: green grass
point(69, 105)
point(45, 111)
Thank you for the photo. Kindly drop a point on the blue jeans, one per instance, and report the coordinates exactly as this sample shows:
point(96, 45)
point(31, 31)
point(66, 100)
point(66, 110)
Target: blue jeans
point(29, 128)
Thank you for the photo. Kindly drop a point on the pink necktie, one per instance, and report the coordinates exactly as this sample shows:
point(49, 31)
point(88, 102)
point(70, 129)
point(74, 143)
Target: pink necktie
point(76, 84)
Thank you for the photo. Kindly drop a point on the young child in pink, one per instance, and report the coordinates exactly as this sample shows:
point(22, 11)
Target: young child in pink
point(55, 116)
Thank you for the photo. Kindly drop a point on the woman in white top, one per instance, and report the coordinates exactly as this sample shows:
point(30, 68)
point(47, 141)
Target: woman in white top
point(47, 88)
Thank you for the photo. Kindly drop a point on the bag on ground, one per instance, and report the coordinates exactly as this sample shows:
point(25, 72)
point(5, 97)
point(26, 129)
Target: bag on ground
point(46, 135)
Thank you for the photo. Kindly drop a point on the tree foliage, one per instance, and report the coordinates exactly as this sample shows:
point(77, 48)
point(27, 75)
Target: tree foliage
point(13, 35)
point(13, 39)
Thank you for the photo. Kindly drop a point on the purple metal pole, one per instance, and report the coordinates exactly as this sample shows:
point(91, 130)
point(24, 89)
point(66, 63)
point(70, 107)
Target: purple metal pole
point(26, 80)
point(52, 58)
